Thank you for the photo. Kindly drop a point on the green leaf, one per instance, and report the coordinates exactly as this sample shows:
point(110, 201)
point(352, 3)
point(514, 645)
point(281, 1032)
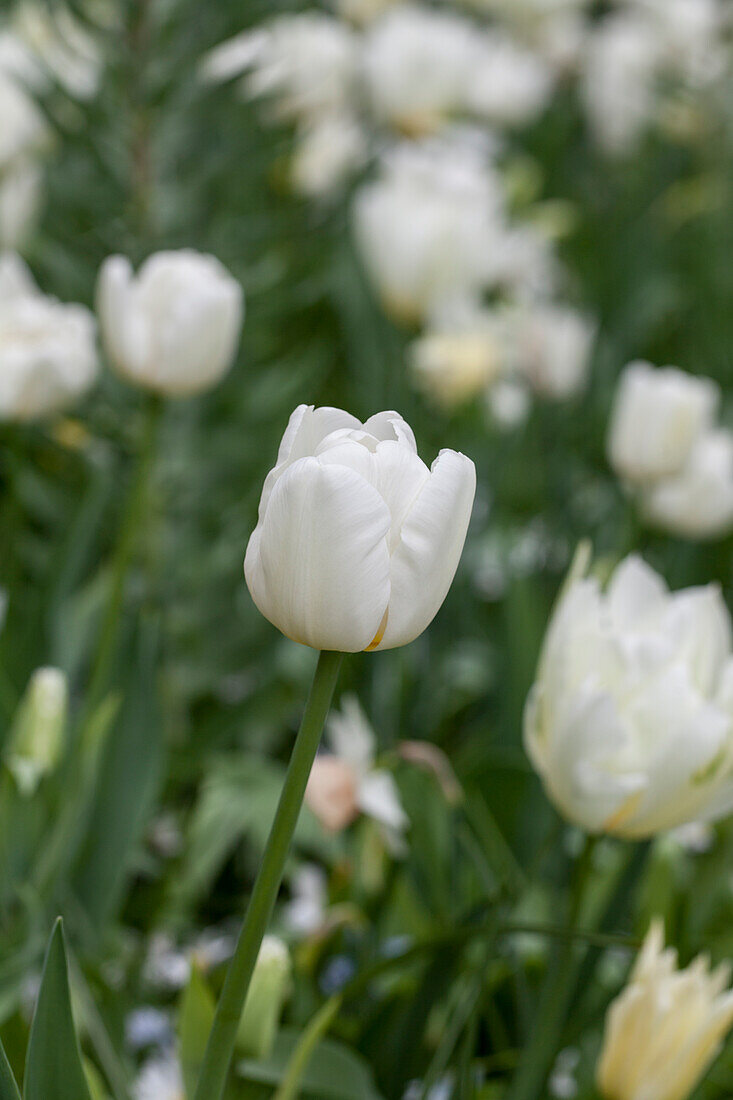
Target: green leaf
point(53, 1066)
point(333, 1072)
point(129, 776)
point(196, 1017)
point(8, 1087)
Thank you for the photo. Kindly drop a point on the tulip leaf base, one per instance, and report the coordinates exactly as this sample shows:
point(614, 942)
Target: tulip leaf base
point(233, 996)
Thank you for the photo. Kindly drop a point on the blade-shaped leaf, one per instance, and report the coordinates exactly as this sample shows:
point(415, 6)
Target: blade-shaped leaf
point(8, 1087)
point(196, 1017)
point(53, 1066)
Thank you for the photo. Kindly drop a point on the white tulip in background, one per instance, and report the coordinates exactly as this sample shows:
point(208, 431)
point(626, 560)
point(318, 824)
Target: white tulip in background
point(61, 49)
point(267, 993)
point(345, 780)
point(327, 151)
point(419, 64)
point(174, 327)
point(630, 721)
point(666, 1027)
point(550, 345)
point(304, 64)
point(305, 913)
point(427, 226)
point(159, 1079)
point(34, 742)
point(454, 366)
point(48, 355)
point(658, 416)
point(357, 541)
point(510, 85)
point(664, 446)
point(696, 503)
point(21, 189)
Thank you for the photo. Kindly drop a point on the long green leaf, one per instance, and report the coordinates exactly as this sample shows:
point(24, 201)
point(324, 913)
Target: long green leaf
point(53, 1068)
point(8, 1087)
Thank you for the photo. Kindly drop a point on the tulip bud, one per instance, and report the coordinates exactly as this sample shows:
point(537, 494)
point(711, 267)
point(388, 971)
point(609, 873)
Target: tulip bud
point(265, 999)
point(357, 541)
point(36, 739)
point(47, 348)
point(665, 1028)
point(173, 327)
point(630, 720)
point(658, 416)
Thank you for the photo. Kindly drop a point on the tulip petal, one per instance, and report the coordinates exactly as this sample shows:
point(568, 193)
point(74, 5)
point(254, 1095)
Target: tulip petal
point(390, 425)
point(432, 537)
point(317, 565)
point(379, 798)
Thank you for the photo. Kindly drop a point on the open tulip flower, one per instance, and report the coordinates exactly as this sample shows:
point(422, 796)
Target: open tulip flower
point(357, 541)
point(630, 721)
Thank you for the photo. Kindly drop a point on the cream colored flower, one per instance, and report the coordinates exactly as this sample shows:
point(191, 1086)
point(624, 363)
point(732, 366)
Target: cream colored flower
point(630, 720)
point(666, 1027)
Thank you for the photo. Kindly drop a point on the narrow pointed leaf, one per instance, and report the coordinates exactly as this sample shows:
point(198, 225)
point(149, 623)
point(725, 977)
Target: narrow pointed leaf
point(53, 1067)
point(8, 1087)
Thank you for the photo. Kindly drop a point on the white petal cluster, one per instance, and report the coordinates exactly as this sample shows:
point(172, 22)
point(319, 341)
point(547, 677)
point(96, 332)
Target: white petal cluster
point(665, 445)
point(346, 781)
point(159, 1079)
point(23, 135)
point(637, 53)
point(531, 347)
point(174, 326)
point(630, 721)
point(48, 355)
point(357, 541)
point(666, 1027)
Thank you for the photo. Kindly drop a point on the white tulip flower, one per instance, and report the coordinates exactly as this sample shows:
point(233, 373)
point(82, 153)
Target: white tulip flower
point(24, 130)
point(327, 151)
point(174, 327)
point(630, 721)
point(159, 1079)
point(454, 366)
point(511, 85)
point(48, 355)
point(20, 198)
point(305, 64)
point(345, 782)
point(419, 64)
point(305, 913)
point(697, 502)
point(666, 1027)
point(427, 228)
point(357, 541)
point(552, 346)
point(658, 417)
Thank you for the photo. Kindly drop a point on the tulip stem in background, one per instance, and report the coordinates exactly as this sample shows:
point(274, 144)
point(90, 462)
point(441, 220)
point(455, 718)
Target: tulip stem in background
point(558, 989)
point(234, 994)
point(132, 519)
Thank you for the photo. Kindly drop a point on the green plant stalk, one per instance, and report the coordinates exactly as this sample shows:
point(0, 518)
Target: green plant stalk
point(220, 1046)
point(132, 520)
point(309, 1040)
point(556, 995)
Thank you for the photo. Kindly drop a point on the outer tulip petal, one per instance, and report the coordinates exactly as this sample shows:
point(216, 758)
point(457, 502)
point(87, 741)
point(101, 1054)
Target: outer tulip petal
point(322, 558)
point(426, 558)
point(122, 328)
point(390, 425)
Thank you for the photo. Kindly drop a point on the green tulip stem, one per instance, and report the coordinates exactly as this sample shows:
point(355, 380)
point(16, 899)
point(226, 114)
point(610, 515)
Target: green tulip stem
point(220, 1046)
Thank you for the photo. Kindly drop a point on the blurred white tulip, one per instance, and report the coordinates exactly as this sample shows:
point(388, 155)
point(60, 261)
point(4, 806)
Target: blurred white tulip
point(657, 418)
point(62, 49)
point(630, 721)
point(35, 741)
point(697, 502)
point(357, 541)
point(174, 327)
point(305, 64)
point(454, 365)
point(510, 85)
point(666, 1027)
point(268, 990)
point(419, 64)
point(159, 1079)
point(359, 786)
point(327, 151)
point(20, 198)
point(48, 355)
point(305, 913)
point(551, 346)
point(428, 226)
